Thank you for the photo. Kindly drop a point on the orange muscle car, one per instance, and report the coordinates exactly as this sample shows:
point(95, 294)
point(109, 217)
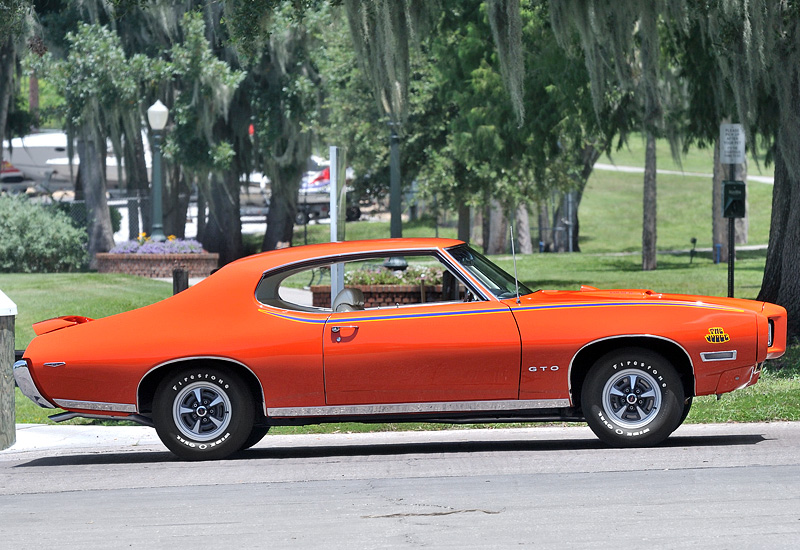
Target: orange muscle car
point(215, 366)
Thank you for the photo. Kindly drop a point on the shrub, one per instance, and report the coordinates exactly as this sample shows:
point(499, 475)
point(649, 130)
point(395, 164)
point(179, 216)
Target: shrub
point(37, 239)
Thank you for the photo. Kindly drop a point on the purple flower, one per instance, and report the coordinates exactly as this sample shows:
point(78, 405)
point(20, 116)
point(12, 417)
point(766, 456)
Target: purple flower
point(174, 246)
point(128, 247)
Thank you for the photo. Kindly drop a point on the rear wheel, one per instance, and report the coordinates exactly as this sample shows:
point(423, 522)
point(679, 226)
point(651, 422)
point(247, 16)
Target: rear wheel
point(256, 435)
point(633, 398)
point(203, 413)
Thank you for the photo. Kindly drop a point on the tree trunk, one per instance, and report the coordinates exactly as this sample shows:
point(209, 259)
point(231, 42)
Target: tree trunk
point(719, 225)
point(649, 261)
point(93, 179)
point(464, 215)
point(565, 223)
point(201, 214)
point(565, 233)
point(546, 243)
point(650, 50)
point(176, 203)
point(498, 228)
point(33, 98)
point(280, 222)
point(7, 61)
point(781, 285)
point(285, 184)
point(523, 230)
point(477, 234)
point(138, 186)
point(223, 232)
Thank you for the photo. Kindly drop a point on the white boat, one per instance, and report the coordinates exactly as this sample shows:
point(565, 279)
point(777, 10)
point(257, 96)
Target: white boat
point(31, 153)
point(43, 158)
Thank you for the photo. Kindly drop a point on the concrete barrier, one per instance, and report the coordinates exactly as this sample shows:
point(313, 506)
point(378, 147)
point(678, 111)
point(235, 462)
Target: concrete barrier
point(8, 415)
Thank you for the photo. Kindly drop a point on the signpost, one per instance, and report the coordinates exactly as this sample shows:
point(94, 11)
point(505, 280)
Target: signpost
point(732, 152)
point(731, 144)
point(338, 213)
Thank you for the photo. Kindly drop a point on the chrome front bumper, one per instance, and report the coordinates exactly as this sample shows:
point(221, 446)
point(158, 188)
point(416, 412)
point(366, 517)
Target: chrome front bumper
point(27, 386)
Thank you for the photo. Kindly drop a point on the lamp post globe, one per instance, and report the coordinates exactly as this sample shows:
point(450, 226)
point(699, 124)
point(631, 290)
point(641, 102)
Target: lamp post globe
point(157, 116)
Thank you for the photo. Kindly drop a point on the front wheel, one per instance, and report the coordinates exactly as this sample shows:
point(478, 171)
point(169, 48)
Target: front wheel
point(203, 413)
point(632, 398)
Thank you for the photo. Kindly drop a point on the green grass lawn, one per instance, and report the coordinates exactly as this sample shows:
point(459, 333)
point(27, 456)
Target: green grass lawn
point(44, 296)
point(610, 216)
point(699, 161)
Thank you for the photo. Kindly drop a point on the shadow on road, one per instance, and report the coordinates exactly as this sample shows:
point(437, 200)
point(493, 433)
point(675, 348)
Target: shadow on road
point(390, 449)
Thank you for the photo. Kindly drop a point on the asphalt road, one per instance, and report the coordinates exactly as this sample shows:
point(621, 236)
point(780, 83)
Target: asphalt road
point(708, 486)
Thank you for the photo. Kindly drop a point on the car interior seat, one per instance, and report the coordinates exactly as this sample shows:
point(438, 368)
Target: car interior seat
point(348, 299)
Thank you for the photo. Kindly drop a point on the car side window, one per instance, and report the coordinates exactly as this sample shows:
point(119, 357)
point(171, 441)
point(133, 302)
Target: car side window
point(375, 282)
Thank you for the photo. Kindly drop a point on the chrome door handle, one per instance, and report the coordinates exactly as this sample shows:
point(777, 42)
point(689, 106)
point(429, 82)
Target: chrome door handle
point(337, 329)
point(349, 333)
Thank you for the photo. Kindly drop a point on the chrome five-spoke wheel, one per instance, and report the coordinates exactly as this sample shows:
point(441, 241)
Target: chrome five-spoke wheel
point(201, 411)
point(632, 398)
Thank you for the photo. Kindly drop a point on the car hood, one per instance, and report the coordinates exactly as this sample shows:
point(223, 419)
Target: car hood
point(588, 294)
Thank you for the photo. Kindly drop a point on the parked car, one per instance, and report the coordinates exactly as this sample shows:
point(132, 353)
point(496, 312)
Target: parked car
point(10, 173)
point(214, 367)
point(314, 196)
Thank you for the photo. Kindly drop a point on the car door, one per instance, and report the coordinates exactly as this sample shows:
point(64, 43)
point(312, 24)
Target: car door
point(443, 352)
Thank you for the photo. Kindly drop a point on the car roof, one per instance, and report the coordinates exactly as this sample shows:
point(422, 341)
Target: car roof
point(294, 254)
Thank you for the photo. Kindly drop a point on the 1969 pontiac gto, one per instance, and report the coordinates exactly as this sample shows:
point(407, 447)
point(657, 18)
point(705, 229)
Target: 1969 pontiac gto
point(214, 367)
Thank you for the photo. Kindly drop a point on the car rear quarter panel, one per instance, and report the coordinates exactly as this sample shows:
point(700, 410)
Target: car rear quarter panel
point(106, 359)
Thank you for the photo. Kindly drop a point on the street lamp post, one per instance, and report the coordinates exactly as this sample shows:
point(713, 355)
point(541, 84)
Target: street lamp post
point(395, 263)
point(157, 116)
point(395, 196)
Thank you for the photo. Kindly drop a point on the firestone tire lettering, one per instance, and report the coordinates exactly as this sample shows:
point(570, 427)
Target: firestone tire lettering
point(203, 413)
point(633, 398)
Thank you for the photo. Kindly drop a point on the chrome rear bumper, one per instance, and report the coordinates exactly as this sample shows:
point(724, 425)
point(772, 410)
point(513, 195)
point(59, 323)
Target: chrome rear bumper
point(27, 386)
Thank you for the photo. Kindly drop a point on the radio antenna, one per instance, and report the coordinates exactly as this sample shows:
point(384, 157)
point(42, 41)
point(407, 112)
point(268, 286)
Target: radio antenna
point(514, 255)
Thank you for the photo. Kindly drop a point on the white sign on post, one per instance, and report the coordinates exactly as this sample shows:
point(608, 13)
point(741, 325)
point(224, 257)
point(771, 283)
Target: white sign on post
point(731, 144)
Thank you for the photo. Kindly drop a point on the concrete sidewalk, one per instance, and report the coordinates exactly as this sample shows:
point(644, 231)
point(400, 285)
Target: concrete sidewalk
point(50, 437)
point(47, 440)
point(42, 440)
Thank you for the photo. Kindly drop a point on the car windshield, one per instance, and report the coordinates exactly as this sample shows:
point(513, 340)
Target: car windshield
point(500, 283)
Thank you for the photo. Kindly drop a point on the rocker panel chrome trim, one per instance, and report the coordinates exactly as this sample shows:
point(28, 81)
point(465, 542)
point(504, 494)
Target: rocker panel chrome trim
point(139, 419)
point(411, 408)
point(95, 406)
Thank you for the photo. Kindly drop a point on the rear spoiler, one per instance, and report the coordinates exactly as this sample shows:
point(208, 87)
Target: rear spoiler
point(43, 327)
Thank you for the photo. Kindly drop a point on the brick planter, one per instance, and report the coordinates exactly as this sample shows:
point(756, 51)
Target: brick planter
point(157, 265)
point(382, 295)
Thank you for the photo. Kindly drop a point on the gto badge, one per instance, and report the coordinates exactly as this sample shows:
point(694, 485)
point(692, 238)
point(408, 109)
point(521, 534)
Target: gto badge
point(717, 335)
point(543, 369)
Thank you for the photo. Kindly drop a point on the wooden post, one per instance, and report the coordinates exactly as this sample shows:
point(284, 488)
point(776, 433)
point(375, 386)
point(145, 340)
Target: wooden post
point(180, 280)
point(8, 415)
